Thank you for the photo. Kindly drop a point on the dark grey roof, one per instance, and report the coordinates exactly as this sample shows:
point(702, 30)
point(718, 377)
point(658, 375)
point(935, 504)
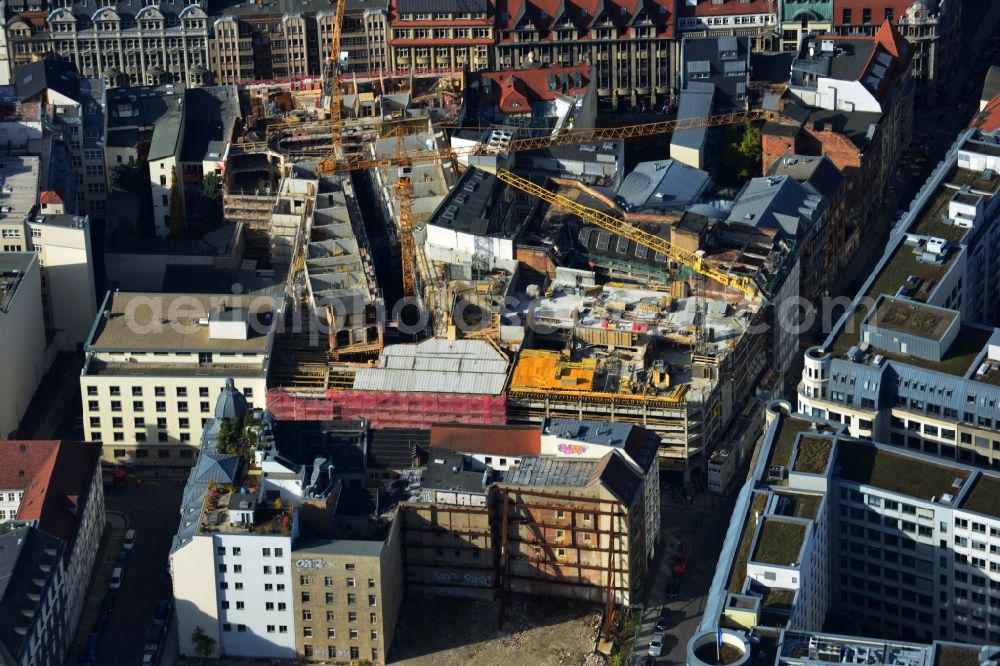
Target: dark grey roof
point(217, 467)
point(474, 207)
point(820, 173)
point(337, 547)
point(856, 125)
point(447, 470)
point(778, 202)
point(551, 471)
point(211, 113)
point(27, 555)
point(441, 6)
point(357, 502)
point(32, 78)
point(845, 62)
point(771, 67)
point(391, 448)
point(695, 102)
point(595, 242)
point(623, 480)
point(127, 137)
point(725, 61)
point(663, 184)
point(230, 404)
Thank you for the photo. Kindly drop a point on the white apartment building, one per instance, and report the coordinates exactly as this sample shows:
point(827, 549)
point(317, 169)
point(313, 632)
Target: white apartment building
point(904, 544)
point(915, 361)
point(155, 363)
point(33, 221)
point(35, 473)
point(231, 557)
point(33, 587)
point(23, 354)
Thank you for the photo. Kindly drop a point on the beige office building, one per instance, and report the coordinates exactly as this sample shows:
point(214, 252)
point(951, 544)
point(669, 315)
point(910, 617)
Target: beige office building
point(155, 364)
point(347, 595)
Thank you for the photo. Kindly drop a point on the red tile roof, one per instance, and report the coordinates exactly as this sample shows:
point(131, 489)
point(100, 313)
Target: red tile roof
point(888, 40)
point(515, 90)
point(988, 120)
point(728, 8)
point(50, 197)
point(54, 476)
point(488, 439)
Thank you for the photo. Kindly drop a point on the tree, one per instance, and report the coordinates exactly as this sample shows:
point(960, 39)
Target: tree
point(751, 148)
point(128, 178)
point(211, 189)
point(204, 645)
point(177, 223)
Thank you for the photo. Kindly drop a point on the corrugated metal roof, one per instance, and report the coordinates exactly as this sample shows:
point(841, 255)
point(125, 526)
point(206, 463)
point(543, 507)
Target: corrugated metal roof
point(437, 366)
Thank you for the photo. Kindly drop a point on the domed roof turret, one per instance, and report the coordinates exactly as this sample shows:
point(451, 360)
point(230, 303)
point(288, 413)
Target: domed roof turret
point(231, 404)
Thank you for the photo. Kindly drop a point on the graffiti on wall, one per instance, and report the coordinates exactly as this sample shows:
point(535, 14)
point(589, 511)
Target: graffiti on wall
point(572, 449)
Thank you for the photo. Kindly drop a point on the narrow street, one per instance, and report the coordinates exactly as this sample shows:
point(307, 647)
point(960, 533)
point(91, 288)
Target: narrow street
point(699, 530)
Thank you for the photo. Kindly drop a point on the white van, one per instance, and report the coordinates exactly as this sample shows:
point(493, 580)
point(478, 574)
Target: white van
point(129, 542)
point(116, 578)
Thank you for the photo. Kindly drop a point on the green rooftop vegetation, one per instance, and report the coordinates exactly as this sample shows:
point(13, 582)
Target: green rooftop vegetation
point(984, 497)
point(913, 318)
point(781, 450)
point(739, 572)
point(902, 474)
point(974, 179)
point(802, 505)
point(779, 542)
point(813, 455)
point(779, 599)
point(932, 221)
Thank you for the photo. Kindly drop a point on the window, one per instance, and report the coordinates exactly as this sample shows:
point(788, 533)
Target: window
point(278, 552)
point(270, 628)
point(374, 634)
point(227, 627)
point(305, 597)
point(354, 634)
point(307, 632)
point(161, 406)
point(351, 582)
point(373, 618)
point(305, 580)
point(116, 405)
point(847, 17)
point(328, 581)
point(140, 422)
point(136, 391)
point(159, 391)
point(237, 551)
point(239, 605)
point(352, 616)
point(182, 406)
point(331, 633)
point(329, 597)
point(241, 627)
point(352, 599)
point(203, 392)
point(267, 569)
point(329, 616)
point(307, 614)
point(237, 568)
point(268, 587)
point(349, 566)
point(279, 570)
point(282, 629)
point(266, 552)
point(371, 582)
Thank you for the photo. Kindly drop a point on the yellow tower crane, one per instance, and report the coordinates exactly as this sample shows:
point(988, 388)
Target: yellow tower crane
point(620, 227)
point(401, 159)
point(336, 125)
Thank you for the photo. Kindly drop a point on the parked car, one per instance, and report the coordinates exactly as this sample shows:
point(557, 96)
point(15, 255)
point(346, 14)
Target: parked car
point(680, 565)
point(129, 542)
point(664, 620)
point(148, 658)
point(101, 626)
point(121, 559)
point(116, 578)
point(89, 655)
point(656, 644)
point(162, 612)
point(108, 603)
point(673, 589)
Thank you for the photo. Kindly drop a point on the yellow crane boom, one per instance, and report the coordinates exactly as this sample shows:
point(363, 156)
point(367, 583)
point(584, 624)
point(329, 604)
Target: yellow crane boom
point(620, 227)
point(335, 123)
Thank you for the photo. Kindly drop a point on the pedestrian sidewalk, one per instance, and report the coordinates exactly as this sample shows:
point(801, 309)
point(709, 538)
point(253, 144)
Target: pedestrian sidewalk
point(111, 543)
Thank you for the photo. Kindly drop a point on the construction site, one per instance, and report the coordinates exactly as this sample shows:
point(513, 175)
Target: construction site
point(437, 277)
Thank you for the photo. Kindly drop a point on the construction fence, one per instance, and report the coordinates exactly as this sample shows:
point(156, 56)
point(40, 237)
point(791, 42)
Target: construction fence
point(385, 409)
